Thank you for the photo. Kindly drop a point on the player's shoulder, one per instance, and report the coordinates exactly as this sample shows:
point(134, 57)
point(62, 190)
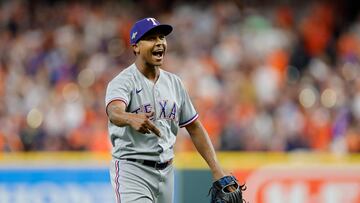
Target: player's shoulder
point(171, 76)
point(124, 75)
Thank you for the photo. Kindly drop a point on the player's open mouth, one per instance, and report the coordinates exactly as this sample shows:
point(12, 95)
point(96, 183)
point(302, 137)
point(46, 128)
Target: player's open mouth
point(158, 53)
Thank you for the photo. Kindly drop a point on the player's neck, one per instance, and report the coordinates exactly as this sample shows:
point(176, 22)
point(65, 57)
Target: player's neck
point(149, 71)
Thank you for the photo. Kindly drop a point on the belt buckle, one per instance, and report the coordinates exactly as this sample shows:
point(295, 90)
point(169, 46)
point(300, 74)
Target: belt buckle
point(157, 166)
point(160, 166)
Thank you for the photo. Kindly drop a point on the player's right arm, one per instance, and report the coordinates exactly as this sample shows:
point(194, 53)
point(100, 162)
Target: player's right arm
point(140, 122)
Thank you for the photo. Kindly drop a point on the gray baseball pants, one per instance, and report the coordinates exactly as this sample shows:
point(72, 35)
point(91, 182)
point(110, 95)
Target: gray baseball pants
point(134, 182)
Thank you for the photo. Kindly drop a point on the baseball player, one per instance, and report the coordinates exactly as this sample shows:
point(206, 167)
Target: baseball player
point(146, 105)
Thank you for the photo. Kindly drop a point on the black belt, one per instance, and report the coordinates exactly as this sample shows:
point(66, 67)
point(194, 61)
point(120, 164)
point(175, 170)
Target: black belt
point(153, 164)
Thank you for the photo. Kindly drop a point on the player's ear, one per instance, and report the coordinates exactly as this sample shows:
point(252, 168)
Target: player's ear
point(136, 48)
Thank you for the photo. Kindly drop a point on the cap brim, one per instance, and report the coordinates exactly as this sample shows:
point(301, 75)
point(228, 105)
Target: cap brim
point(163, 29)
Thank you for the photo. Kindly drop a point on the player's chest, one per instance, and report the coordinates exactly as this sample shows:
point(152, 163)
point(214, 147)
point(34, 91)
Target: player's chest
point(161, 98)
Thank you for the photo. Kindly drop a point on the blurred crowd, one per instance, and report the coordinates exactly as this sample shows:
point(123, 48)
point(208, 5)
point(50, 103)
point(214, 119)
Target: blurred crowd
point(263, 76)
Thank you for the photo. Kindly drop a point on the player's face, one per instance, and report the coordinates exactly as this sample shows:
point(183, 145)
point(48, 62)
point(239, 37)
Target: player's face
point(151, 48)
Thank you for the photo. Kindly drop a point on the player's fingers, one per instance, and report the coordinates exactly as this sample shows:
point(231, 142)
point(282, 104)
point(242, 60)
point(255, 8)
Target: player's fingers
point(149, 115)
point(156, 131)
point(231, 188)
point(144, 130)
point(153, 128)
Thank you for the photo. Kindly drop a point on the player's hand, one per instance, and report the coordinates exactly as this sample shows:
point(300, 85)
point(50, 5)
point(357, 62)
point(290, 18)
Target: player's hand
point(231, 188)
point(143, 124)
point(219, 174)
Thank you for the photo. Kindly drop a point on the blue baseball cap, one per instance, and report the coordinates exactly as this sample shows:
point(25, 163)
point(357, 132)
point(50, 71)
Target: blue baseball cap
point(145, 25)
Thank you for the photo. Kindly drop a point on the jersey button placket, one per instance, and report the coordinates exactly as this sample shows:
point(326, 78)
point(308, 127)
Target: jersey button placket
point(157, 94)
point(155, 100)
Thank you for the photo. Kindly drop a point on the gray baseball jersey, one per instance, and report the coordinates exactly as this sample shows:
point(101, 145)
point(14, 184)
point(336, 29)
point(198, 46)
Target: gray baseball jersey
point(167, 98)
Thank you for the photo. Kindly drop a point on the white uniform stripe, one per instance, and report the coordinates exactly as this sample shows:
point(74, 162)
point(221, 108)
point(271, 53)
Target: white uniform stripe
point(189, 121)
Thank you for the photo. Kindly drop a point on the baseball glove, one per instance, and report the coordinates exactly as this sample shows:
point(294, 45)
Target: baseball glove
point(221, 192)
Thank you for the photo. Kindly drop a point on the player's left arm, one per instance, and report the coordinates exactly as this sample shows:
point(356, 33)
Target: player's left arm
point(204, 146)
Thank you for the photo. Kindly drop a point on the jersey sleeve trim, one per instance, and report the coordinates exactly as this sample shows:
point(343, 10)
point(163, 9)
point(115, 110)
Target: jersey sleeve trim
point(189, 121)
point(116, 99)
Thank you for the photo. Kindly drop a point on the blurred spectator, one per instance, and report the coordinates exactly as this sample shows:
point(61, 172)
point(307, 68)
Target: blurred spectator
point(264, 77)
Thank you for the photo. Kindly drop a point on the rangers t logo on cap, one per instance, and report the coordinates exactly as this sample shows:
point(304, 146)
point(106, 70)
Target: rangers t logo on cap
point(143, 26)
